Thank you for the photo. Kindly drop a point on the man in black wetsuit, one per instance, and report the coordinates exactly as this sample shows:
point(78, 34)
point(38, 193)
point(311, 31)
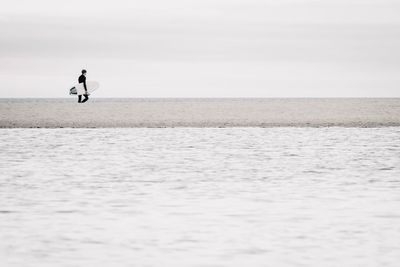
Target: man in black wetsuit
point(82, 79)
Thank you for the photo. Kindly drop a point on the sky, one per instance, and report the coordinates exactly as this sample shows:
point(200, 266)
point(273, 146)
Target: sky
point(201, 48)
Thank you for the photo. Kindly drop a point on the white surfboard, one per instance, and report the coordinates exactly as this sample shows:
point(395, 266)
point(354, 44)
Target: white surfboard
point(79, 88)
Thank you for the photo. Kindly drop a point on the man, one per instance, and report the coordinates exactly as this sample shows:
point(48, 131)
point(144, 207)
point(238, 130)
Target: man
point(80, 92)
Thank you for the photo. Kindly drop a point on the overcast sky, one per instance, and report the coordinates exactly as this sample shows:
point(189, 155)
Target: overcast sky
point(201, 48)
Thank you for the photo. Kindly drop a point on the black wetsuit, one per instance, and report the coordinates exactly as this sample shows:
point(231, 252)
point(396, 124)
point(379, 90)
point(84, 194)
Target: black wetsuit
point(82, 79)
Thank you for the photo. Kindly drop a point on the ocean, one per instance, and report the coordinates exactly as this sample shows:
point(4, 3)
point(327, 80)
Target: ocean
point(200, 197)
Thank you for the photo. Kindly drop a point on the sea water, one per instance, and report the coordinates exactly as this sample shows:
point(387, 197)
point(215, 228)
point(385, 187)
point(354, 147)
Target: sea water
point(200, 197)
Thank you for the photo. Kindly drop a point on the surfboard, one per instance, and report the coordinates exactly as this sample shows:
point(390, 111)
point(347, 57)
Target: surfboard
point(91, 87)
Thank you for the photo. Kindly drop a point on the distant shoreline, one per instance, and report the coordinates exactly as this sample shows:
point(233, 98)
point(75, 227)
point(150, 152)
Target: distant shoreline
point(199, 112)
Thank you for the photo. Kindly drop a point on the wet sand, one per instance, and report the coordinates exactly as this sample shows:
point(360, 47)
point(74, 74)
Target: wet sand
point(239, 112)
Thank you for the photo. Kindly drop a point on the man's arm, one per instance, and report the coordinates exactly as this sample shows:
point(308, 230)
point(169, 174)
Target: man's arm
point(84, 85)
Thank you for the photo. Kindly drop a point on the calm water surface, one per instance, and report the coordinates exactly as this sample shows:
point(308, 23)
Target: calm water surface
point(200, 197)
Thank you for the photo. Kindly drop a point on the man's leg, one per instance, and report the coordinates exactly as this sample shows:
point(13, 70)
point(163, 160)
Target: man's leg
point(86, 98)
point(79, 98)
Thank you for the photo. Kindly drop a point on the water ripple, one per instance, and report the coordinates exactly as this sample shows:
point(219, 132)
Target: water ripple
point(200, 197)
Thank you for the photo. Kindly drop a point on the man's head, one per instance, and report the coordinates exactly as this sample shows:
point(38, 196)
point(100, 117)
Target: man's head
point(84, 72)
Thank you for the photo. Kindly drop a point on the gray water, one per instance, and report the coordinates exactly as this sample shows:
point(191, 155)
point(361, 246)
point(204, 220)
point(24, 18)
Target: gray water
point(200, 197)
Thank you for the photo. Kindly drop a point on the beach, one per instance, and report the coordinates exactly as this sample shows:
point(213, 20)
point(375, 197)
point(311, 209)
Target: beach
point(200, 182)
point(199, 112)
